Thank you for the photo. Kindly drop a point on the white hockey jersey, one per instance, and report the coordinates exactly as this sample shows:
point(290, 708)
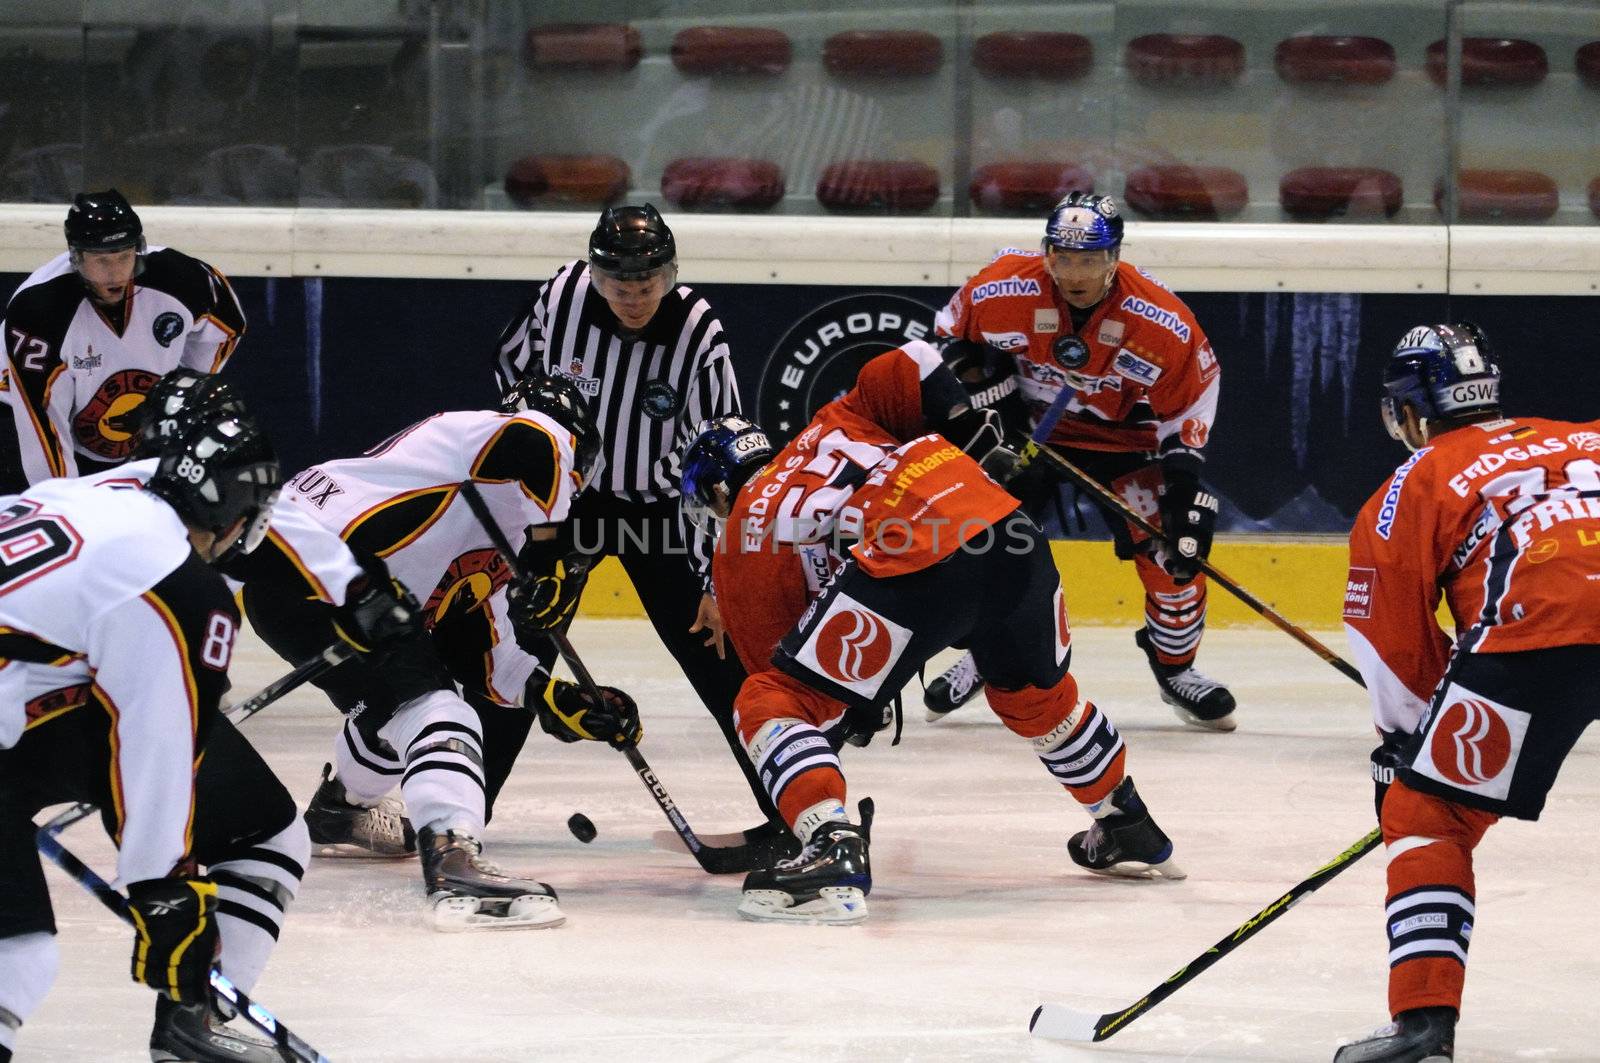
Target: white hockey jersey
point(103, 600)
point(73, 376)
point(401, 502)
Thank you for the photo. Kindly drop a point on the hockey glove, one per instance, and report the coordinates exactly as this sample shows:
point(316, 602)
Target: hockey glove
point(175, 939)
point(1387, 759)
point(981, 435)
point(378, 612)
point(1188, 521)
point(570, 715)
point(547, 595)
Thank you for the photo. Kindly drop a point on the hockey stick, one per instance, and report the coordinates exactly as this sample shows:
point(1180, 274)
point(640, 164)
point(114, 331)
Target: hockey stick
point(303, 673)
point(1061, 1023)
point(257, 1015)
point(1038, 447)
point(713, 859)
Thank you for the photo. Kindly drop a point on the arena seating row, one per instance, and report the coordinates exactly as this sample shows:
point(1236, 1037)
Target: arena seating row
point(1158, 59)
point(904, 186)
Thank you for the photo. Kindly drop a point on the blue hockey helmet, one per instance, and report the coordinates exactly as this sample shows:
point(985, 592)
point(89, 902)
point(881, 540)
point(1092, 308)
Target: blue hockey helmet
point(725, 452)
point(1084, 221)
point(1442, 372)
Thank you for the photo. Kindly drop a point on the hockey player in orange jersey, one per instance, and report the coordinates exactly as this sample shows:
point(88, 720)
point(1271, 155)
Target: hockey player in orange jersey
point(824, 627)
point(1074, 316)
point(1503, 516)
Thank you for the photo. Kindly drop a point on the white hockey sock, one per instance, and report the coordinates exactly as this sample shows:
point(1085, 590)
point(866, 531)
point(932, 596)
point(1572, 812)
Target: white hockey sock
point(443, 749)
point(368, 774)
point(28, 964)
point(829, 811)
point(253, 892)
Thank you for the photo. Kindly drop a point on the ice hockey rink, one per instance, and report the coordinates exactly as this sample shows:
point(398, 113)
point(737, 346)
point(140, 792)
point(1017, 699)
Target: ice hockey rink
point(977, 914)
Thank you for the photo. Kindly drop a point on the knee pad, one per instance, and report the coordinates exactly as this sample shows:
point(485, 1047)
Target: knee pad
point(1033, 712)
point(1409, 813)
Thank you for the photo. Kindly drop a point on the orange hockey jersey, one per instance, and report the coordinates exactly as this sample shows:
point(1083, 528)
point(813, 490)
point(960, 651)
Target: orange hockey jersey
point(1503, 518)
point(1144, 373)
point(863, 471)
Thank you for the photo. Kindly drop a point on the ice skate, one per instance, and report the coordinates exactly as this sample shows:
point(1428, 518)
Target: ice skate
point(339, 827)
point(953, 688)
point(195, 1034)
point(1423, 1035)
point(1198, 699)
point(1127, 842)
point(469, 893)
point(827, 883)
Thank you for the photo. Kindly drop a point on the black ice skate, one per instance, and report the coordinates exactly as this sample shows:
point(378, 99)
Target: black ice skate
point(953, 688)
point(827, 883)
point(1127, 842)
point(340, 828)
point(470, 893)
point(193, 1032)
point(770, 843)
point(1197, 699)
point(1424, 1035)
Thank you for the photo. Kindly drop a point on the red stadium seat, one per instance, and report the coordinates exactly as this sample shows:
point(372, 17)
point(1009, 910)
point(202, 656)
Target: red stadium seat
point(1587, 62)
point(568, 178)
point(584, 45)
point(1334, 60)
point(731, 50)
point(1185, 59)
point(1187, 191)
point(714, 183)
point(1020, 54)
point(1492, 62)
point(1502, 195)
point(883, 53)
point(875, 185)
point(1027, 187)
point(1313, 192)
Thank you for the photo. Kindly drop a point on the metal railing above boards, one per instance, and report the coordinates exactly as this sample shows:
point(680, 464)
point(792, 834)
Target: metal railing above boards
point(875, 252)
point(1380, 112)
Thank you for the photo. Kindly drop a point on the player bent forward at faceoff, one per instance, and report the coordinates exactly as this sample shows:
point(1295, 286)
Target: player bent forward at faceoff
point(118, 640)
point(885, 612)
point(1501, 514)
point(407, 723)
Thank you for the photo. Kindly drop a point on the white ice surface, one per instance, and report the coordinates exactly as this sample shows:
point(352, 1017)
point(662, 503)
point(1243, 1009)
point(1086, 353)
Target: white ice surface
point(977, 914)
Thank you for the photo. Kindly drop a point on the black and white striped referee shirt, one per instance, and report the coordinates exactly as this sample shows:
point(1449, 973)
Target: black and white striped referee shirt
point(648, 389)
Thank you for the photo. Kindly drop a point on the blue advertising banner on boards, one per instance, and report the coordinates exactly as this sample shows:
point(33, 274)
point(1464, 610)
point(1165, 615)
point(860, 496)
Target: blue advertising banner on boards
point(334, 365)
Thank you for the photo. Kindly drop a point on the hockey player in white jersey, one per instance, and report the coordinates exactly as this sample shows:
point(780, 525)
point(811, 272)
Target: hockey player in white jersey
point(401, 502)
point(90, 331)
point(117, 636)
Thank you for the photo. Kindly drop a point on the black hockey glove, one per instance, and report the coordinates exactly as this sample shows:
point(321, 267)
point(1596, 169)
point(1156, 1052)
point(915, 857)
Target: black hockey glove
point(547, 595)
point(1188, 521)
point(175, 939)
point(1387, 759)
point(378, 612)
point(570, 715)
point(982, 436)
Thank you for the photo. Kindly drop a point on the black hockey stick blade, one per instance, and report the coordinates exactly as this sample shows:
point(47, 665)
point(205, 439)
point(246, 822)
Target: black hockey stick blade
point(1061, 1023)
point(258, 1016)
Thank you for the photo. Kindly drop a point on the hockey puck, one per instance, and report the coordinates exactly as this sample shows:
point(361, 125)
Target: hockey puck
point(581, 827)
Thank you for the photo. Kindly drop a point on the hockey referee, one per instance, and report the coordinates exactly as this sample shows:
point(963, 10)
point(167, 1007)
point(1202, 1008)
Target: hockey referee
point(651, 356)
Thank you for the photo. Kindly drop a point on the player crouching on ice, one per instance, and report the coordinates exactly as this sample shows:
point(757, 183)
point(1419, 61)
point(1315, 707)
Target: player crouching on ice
point(940, 557)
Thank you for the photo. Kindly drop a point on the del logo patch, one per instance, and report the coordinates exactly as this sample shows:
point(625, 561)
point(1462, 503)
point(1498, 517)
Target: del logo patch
point(1473, 743)
point(854, 646)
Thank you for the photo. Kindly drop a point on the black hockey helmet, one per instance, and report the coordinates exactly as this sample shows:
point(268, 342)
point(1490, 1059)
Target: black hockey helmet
point(721, 457)
point(631, 243)
point(1442, 373)
point(182, 396)
point(216, 470)
point(560, 400)
point(103, 221)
